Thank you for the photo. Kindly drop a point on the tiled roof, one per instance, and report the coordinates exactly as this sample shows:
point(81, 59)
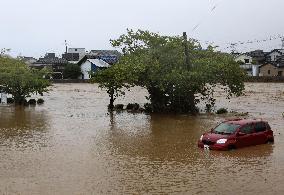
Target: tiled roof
point(99, 63)
point(109, 56)
point(51, 61)
point(105, 52)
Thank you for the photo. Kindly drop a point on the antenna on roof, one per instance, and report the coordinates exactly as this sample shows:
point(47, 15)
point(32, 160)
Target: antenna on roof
point(66, 46)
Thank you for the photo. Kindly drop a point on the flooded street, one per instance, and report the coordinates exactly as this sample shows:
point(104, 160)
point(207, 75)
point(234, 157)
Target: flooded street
point(72, 145)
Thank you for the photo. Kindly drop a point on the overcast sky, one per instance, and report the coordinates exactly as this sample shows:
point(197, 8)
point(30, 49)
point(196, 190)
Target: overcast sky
point(34, 27)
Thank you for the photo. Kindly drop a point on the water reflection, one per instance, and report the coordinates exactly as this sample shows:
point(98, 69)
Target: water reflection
point(157, 137)
point(22, 126)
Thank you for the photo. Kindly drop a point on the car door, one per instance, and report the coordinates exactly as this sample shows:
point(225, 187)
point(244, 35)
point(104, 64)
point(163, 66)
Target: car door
point(259, 135)
point(245, 136)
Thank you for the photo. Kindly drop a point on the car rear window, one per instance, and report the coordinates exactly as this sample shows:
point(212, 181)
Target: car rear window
point(259, 127)
point(226, 128)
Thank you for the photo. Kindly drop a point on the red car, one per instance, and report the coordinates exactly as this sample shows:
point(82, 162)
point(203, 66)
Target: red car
point(236, 133)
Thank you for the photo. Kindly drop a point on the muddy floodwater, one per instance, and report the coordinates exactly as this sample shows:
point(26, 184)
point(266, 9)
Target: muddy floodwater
point(72, 145)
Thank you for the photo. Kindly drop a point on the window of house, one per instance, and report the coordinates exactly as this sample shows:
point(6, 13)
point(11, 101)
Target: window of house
point(76, 49)
point(280, 73)
point(247, 129)
point(260, 127)
point(246, 61)
point(268, 71)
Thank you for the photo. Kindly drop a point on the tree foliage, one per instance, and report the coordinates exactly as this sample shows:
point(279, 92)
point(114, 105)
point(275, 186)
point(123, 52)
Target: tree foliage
point(72, 71)
point(158, 63)
point(17, 79)
point(113, 79)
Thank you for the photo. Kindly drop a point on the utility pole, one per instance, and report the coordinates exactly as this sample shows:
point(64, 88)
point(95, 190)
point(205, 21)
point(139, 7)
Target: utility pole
point(190, 97)
point(282, 42)
point(186, 52)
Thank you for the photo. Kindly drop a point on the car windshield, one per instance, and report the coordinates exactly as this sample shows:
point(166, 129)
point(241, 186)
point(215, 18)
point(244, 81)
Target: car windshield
point(226, 128)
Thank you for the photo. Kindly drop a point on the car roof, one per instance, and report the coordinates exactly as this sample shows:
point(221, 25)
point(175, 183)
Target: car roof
point(243, 121)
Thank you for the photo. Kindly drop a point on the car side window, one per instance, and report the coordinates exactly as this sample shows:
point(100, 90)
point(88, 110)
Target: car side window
point(259, 127)
point(247, 129)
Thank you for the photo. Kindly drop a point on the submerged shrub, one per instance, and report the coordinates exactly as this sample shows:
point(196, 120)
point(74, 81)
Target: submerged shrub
point(32, 102)
point(40, 101)
point(222, 111)
point(119, 107)
point(134, 106)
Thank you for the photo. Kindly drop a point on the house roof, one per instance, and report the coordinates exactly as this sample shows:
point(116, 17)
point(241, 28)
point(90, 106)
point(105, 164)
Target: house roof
point(274, 50)
point(109, 56)
point(99, 63)
point(243, 54)
point(58, 61)
point(105, 52)
point(276, 65)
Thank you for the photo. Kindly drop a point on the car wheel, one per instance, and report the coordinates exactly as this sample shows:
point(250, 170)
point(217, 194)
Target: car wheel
point(231, 147)
point(270, 141)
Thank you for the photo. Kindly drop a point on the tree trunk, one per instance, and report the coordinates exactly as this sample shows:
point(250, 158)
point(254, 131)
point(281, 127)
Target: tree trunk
point(111, 101)
point(192, 108)
point(19, 99)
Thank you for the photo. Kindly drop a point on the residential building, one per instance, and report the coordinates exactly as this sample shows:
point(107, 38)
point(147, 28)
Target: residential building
point(271, 69)
point(245, 59)
point(53, 62)
point(109, 56)
point(74, 55)
point(28, 60)
point(258, 56)
point(91, 64)
point(246, 64)
point(274, 55)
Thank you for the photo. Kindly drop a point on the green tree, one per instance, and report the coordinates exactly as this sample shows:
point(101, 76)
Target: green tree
point(158, 63)
point(114, 80)
point(72, 71)
point(17, 79)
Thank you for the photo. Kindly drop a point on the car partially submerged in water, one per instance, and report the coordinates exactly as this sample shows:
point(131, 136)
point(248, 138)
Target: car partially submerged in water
point(237, 133)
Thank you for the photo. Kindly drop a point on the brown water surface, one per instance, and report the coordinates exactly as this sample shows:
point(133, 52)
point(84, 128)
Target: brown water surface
point(72, 145)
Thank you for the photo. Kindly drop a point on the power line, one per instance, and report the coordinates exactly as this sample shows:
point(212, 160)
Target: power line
point(212, 9)
point(234, 45)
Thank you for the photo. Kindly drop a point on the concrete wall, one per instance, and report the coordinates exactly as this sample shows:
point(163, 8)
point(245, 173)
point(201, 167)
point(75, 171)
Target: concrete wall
point(266, 79)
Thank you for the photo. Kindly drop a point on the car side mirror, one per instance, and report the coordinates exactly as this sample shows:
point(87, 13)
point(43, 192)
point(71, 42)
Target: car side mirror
point(241, 134)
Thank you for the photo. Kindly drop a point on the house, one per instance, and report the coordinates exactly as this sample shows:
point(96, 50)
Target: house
point(245, 59)
point(274, 55)
point(109, 56)
point(271, 69)
point(51, 61)
point(90, 64)
point(246, 64)
point(74, 55)
point(258, 56)
point(27, 60)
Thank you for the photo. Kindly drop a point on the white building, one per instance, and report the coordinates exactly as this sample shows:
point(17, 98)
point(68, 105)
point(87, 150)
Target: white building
point(89, 66)
point(74, 55)
point(80, 51)
point(244, 58)
point(251, 69)
point(273, 55)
